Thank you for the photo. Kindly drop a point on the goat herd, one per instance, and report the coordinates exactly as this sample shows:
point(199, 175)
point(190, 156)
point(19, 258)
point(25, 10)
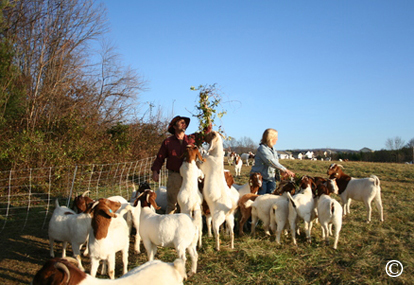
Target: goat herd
point(105, 224)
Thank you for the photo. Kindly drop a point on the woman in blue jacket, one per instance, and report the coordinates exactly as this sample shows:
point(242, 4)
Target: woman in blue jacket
point(267, 162)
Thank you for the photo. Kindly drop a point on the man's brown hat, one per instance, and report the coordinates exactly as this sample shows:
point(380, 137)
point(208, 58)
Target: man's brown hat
point(174, 121)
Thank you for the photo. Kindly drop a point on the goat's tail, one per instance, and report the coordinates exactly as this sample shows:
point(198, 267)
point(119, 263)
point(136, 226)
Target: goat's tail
point(332, 208)
point(291, 200)
point(248, 203)
point(376, 180)
point(197, 217)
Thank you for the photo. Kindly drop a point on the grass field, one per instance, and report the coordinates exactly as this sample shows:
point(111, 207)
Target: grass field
point(362, 254)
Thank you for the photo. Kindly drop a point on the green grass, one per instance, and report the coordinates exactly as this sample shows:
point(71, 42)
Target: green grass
point(363, 249)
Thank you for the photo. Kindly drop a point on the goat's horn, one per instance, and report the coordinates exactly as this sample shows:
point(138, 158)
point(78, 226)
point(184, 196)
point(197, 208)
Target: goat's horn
point(71, 260)
point(86, 192)
point(64, 268)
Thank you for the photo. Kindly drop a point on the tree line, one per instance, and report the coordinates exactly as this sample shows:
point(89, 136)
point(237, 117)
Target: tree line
point(65, 96)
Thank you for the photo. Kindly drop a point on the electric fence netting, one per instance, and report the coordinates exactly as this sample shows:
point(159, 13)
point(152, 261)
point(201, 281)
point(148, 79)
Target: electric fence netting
point(27, 196)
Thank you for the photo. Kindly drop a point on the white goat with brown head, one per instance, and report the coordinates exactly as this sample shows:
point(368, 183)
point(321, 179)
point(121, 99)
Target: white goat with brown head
point(359, 189)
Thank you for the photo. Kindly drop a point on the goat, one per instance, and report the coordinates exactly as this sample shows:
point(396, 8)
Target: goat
point(302, 205)
point(221, 199)
point(253, 186)
point(175, 230)
point(67, 226)
point(359, 189)
point(230, 158)
point(205, 209)
point(189, 198)
point(271, 209)
point(329, 213)
point(245, 212)
point(60, 271)
point(108, 235)
point(238, 163)
point(246, 156)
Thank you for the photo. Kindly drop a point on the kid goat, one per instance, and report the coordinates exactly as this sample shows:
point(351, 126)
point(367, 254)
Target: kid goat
point(360, 189)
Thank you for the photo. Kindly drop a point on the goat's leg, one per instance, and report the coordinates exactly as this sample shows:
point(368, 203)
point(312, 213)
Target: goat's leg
point(230, 224)
point(76, 254)
point(149, 248)
point(51, 242)
point(369, 210)
point(137, 245)
point(111, 266)
point(194, 259)
point(209, 221)
point(280, 227)
point(218, 219)
point(85, 253)
point(338, 226)
point(308, 227)
point(64, 246)
point(378, 204)
point(94, 266)
point(254, 222)
point(125, 259)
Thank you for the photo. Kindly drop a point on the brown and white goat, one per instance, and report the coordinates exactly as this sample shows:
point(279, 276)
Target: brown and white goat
point(189, 197)
point(302, 206)
point(61, 271)
point(253, 186)
point(359, 189)
point(245, 212)
point(109, 234)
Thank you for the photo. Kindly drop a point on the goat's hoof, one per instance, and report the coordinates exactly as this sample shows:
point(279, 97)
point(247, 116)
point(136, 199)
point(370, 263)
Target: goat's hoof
point(190, 273)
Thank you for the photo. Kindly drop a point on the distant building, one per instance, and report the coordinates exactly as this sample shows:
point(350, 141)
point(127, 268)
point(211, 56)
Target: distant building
point(285, 155)
point(365, 149)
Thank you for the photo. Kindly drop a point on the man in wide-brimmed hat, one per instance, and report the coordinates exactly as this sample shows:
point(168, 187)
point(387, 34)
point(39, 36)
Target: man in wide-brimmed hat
point(172, 149)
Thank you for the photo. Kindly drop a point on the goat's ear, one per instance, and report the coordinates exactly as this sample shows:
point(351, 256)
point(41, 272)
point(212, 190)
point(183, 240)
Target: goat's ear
point(152, 201)
point(108, 211)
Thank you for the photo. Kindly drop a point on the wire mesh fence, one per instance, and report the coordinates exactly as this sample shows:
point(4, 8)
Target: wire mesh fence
point(27, 196)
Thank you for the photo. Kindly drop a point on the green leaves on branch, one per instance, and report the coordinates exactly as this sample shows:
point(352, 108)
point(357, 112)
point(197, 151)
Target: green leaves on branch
point(209, 102)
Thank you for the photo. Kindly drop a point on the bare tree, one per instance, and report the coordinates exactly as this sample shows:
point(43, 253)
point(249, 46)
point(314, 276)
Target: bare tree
point(50, 37)
point(394, 143)
point(116, 86)
point(410, 143)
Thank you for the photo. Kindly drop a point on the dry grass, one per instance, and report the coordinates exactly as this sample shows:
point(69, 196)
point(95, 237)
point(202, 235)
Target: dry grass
point(363, 249)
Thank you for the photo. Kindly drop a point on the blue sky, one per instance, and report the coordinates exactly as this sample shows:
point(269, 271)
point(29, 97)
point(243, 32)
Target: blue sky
point(336, 74)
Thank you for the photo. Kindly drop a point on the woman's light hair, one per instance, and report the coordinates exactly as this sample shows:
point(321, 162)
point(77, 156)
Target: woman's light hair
point(267, 137)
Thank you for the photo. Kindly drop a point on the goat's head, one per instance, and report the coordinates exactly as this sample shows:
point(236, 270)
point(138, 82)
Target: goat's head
point(59, 271)
point(143, 186)
point(81, 202)
point(334, 170)
point(105, 208)
point(147, 199)
point(215, 142)
point(191, 153)
point(284, 187)
point(332, 186)
point(323, 189)
point(255, 181)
